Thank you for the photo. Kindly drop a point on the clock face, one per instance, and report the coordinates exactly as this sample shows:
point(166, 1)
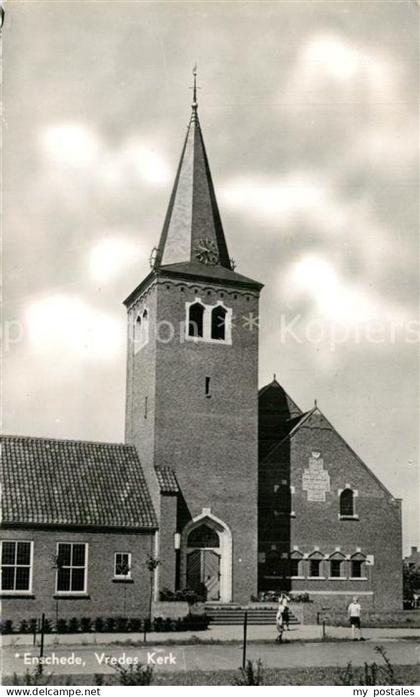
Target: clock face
point(206, 252)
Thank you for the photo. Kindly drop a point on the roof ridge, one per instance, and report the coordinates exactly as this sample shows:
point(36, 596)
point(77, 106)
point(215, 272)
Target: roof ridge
point(65, 440)
point(292, 431)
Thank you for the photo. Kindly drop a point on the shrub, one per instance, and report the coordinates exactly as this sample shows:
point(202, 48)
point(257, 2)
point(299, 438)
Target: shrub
point(147, 625)
point(134, 674)
point(186, 595)
point(86, 624)
point(135, 624)
point(121, 624)
point(98, 624)
point(36, 677)
point(61, 626)
point(48, 626)
point(33, 624)
point(23, 627)
point(370, 674)
point(110, 624)
point(7, 627)
point(158, 624)
point(74, 625)
point(251, 674)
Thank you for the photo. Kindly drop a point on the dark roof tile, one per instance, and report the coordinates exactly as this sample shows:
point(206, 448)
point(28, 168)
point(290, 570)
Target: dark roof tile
point(80, 483)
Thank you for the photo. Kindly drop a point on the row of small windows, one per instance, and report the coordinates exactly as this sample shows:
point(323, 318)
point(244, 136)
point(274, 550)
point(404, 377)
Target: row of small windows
point(315, 566)
point(195, 321)
point(70, 563)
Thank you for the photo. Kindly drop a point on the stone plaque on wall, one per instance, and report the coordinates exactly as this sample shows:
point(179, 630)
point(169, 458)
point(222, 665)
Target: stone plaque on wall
point(315, 479)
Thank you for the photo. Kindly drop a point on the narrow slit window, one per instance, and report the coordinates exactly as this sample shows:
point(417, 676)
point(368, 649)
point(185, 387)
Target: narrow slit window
point(314, 568)
point(207, 387)
point(196, 320)
point(218, 323)
point(294, 567)
point(356, 568)
point(145, 407)
point(335, 568)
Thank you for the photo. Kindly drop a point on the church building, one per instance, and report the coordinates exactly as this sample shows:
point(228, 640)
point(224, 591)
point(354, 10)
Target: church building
point(236, 491)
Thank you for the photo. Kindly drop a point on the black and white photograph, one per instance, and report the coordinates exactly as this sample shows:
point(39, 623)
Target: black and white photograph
point(210, 346)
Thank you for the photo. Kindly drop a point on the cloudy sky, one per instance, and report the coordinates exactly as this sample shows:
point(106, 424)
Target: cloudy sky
point(309, 113)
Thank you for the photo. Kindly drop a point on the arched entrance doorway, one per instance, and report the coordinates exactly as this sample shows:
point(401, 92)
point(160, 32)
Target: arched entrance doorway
point(206, 561)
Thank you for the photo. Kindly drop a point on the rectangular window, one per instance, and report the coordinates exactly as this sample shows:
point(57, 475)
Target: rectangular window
point(335, 568)
point(71, 567)
point(294, 567)
point(122, 565)
point(356, 568)
point(314, 568)
point(16, 566)
point(207, 388)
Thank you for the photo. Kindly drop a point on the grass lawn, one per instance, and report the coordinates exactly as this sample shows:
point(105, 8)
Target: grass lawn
point(404, 675)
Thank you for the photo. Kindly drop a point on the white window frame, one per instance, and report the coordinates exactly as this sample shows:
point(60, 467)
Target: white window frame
point(355, 515)
point(31, 561)
point(342, 561)
point(85, 578)
point(122, 577)
point(208, 309)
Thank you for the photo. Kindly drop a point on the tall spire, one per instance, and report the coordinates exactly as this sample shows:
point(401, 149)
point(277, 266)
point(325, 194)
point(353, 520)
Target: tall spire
point(192, 231)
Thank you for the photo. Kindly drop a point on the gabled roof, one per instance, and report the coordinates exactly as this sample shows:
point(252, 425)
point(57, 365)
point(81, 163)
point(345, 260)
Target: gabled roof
point(167, 480)
point(74, 483)
point(315, 419)
point(277, 415)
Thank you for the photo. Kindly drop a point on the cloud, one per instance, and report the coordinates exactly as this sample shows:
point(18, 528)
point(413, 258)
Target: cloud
point(334, 298)
point(70, 145)
point(112, 255)
point(74, 146)
point(65, 325)
point(331, 65)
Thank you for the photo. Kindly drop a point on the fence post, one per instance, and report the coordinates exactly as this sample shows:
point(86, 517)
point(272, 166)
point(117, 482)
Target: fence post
point(41, 650)
point(244, 644)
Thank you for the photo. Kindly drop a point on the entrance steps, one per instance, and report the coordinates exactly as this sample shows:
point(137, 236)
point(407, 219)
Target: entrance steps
point(234, 614)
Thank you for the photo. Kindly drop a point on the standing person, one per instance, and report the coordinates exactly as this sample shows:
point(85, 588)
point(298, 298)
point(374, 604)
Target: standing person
point(279, 621)
point(354, 611)
point(285, 602)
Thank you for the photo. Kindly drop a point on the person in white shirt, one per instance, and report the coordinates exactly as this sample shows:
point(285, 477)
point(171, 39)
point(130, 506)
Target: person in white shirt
point(354, 611)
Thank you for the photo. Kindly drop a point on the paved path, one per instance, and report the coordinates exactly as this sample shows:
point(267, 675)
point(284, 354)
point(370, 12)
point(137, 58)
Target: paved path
point(92, 659)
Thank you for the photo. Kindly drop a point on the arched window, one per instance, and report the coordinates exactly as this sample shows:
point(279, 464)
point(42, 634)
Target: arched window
point(195, 320)
point(218, 323)
point(336, 564)
point(203, 536)
point(346, 503)
point(357, 565)
point(315, 564)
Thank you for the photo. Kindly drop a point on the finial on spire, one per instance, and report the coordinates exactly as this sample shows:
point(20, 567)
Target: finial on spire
point(274, 377)
point(315, 402)
point(194, 89)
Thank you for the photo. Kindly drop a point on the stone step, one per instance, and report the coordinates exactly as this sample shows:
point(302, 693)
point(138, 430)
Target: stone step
point(225, 614)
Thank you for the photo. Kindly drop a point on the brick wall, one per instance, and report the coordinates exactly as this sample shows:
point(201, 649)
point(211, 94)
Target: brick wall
point(316, 525)
point(104, 596)
point(210, 442)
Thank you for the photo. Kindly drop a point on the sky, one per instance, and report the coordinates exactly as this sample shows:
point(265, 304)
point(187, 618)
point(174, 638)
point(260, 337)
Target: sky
point(309, 114)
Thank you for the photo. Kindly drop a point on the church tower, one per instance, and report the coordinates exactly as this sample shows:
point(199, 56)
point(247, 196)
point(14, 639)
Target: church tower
point(192, 391)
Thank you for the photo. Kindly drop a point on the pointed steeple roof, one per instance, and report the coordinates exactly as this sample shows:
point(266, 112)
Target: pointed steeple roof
point(193, 219)
point(192, 243)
